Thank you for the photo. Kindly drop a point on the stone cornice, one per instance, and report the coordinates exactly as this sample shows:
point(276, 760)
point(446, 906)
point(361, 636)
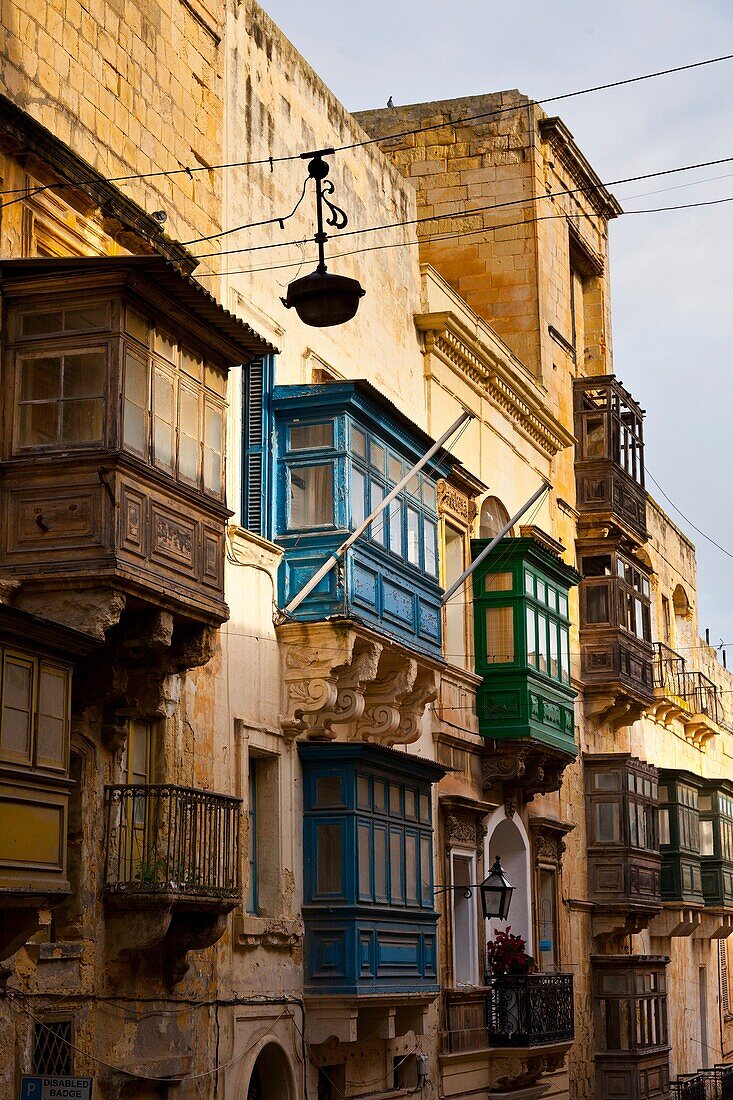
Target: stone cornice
point(495, 376)
point(554, 131)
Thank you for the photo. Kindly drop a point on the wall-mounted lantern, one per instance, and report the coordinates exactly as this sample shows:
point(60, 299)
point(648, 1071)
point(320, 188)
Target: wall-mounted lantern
point(320, 299)
point(496, 892)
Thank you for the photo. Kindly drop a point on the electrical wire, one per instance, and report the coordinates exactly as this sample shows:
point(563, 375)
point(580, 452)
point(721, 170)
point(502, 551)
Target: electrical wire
point(25, 193)
point(685, 518)
point(252, 225)
point(416, 242)
point(489, 207)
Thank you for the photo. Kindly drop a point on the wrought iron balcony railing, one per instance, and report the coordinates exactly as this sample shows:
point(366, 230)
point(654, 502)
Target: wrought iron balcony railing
point(706, 1084)
point(530, 1010)
point(693, 690)
point(170, 840)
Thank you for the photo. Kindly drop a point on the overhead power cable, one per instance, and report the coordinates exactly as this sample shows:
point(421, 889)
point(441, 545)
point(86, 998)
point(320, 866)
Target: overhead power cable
point(23, 193)
point(441, 237)
point(685, 518)
point(465, 213)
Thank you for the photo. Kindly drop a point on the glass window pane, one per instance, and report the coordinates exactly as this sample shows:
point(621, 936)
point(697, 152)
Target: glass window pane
point(606, 781)
point(329, 790)
point(411, 880)
point(596, 604)
point(81, 421)
point(380, 796)
point(595, 437)
point(358, 443)
point(192, 364)
point(311, 496)
point(328, 859)
point(363, 792)
point(565, 653)
point(541, 591)
point(529, 584)
point(707, 847)
point(166, 346)
point(376, 455)
point(426, 872)
point(562, 604)
point(395, 800)
point(413, 536)
point(365, 862)
point(40, 379)
point(542, 642)
point(36, 324)
point(430, 547)
point(498, 582)
point(52, 694)
point(137, 326)
point(163, 420)
point(607, 821)
point(38, 424)
point(499, 635)
point(429, 494)
point(17, 716)
point(531, 637)
point(554, 649)
point(395, 528)
point(307, 437)
point(213, 448)
point(394, 468)
point(380, 863)
point(397, 885)
point(377, 530)
point(135, 414)
point(410, 803)
point(215, 379)
point(189, 434)
point(85, 317)
point(424, 807)
point(546, 918)
point(357, 498)
point(84, 374)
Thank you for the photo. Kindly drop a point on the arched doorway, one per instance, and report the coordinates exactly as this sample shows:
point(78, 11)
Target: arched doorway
point(271, 1077)
point(508, 839)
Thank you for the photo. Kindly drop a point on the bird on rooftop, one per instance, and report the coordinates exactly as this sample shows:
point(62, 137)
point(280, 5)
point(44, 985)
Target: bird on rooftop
point(390, 102)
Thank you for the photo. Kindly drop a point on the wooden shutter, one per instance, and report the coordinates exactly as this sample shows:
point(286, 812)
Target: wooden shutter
point(256, 417)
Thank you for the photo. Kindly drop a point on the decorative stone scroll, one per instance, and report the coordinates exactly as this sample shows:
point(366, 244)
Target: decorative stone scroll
point(523, 766)
point(341, 680)
point(453, 501)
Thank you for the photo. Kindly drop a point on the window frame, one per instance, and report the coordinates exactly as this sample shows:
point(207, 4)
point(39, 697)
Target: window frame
point(37, 663)
point(62, 347)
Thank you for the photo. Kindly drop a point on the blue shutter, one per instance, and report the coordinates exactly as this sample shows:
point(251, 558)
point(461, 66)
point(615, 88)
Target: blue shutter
point(256, 458)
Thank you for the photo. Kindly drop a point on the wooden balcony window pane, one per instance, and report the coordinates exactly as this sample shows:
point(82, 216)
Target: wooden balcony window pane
point(499, 635)
point(596, 604)
point(396, 543)
point(595, 437)
point(189, 434)
point(707, 847)
point(394, 468)
point(377, 455)
point(311, 496)
point(52, 707)
point(413, 536)
point(192, 365)
point(163, 421)
point(426, 872)
point(429, 494)
point(17, 715)
point(499, 582)
point(85, 318)
point(40, 379)
point(329, 790)
point(81, 421)
point(358, 498)
point(166, 346)
point(38, 424)
point(365, 863)
point(380, 864)
point(542, 642)
point(40, 324)
point(607, 823)
point(213, 449)
point(137, 326)
point(430, 547)
point(378, 529)
point(531, 637)
point(311, 437)
point(363, 792)
point(395, 800)
point(565, 653)
point(358, 443)
point(329, 854)
point(135, 414)
point(411, 878)
point(397, 884)
point(215, 380)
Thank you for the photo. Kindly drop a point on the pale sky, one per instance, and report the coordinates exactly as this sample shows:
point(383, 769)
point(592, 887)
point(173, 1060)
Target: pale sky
point(672, 273)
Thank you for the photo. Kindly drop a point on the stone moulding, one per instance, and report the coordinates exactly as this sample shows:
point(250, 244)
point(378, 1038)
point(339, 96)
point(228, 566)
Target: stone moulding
point(523, 766)
point(340, 678)
point(445, 337)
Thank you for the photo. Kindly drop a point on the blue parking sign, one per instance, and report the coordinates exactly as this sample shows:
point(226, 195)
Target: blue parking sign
point(37, 1087)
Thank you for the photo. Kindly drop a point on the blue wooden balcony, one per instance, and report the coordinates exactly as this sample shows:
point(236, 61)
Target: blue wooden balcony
point(340, 448)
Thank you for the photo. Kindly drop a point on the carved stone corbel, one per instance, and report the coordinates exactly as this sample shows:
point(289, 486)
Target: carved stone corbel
point(382, 714)
point(313, 657)
point(351, 684)
point(413, 706)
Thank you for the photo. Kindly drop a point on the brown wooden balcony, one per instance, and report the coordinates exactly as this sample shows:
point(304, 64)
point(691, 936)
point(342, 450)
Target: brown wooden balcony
point(166, 844)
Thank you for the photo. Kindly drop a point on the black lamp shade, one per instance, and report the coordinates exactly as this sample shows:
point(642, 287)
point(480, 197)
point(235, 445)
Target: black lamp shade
point(496, 892)
point(322, 300)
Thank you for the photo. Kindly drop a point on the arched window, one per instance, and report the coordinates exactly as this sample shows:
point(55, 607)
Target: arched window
point(508, 839)
point(493, 517)
point(681, 603)
point(271, 1077)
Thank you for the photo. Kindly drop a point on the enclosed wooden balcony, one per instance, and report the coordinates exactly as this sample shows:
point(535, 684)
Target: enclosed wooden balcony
point(112, 470)
point(609, 465)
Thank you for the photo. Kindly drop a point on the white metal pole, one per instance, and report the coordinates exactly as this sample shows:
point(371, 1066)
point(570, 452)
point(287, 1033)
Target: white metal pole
point(333, 560)
point(497, 538)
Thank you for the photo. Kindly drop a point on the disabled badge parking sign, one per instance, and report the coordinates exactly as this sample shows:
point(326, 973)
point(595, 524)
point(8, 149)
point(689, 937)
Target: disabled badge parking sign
point(39, 1087)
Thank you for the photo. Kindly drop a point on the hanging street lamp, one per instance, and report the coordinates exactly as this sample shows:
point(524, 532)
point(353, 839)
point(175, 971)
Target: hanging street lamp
point(321, 299)
point(496, 892)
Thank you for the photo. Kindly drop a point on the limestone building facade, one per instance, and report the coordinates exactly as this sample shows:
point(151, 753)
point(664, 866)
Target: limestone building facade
point(240, 836)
